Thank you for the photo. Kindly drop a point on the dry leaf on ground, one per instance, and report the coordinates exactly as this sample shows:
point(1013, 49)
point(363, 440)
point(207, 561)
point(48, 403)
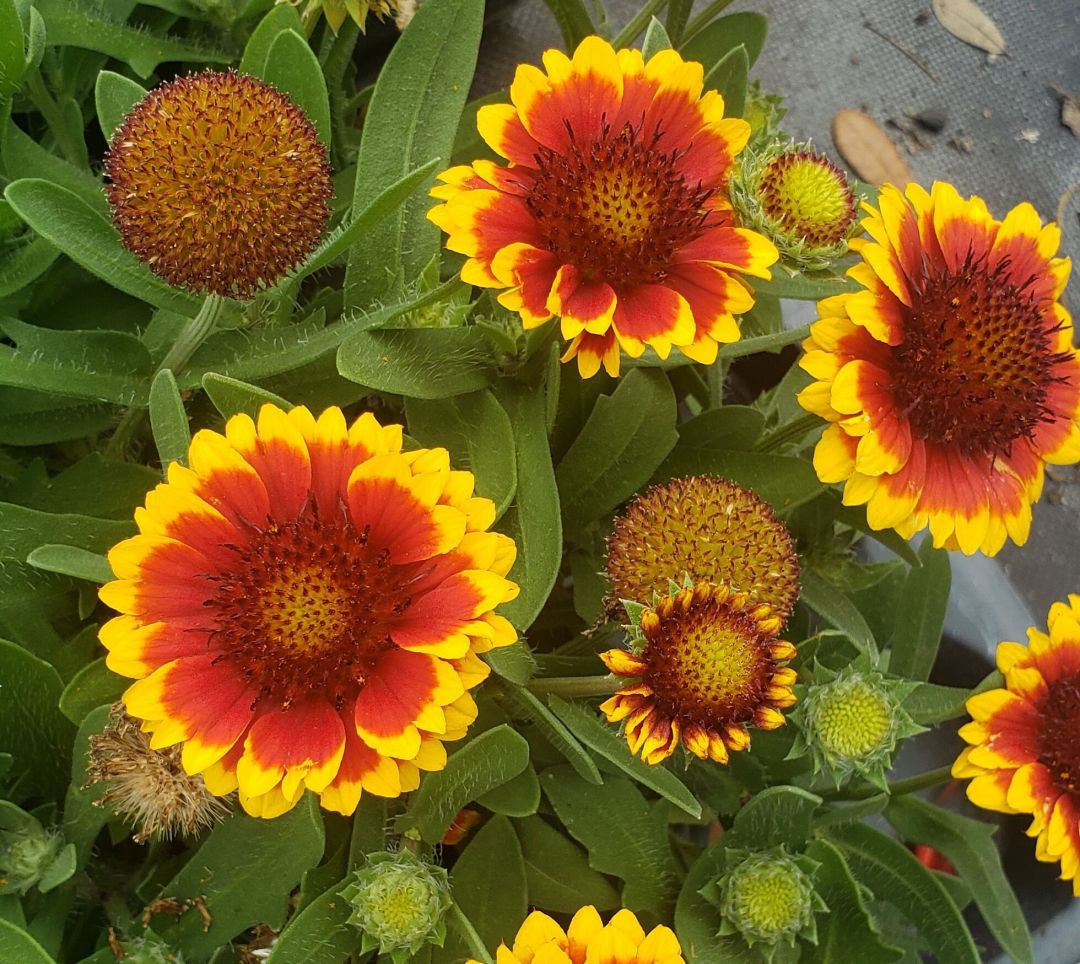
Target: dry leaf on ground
point(1070, 110)
point(966, 21)
point(868, 150)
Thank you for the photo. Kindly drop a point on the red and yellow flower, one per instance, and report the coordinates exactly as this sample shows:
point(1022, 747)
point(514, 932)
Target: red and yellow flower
point(304, 608)
point(1024, 752)
point(613, 213)
point(950, 380)
point(709, 668)
point(621, 941)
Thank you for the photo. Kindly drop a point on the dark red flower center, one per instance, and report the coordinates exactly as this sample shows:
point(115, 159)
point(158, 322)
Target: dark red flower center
point(616, 208)
point(708, 664)
point(1059, 729)
point(308, 607)
point(976, 361)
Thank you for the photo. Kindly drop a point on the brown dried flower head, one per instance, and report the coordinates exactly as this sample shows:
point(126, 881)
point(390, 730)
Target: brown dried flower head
point(148, 786)
point(709, 529)
point(219, 182)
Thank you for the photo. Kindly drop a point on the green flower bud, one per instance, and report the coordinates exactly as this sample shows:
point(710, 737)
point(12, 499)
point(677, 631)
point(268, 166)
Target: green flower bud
point(399, 901)
point(149, 950)
point(27, 850)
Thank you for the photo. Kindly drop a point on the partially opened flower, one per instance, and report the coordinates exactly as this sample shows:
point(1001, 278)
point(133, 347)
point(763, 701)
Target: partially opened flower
point(708, 529)
point(709, 668)
point(621, 941)
point(219, 183)
point(1024, 752)
point(304, 607)
point(950, 380)
point(613, 214)
point(336, 11)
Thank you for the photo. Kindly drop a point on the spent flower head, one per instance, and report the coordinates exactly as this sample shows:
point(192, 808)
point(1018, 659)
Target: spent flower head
point(399, 901)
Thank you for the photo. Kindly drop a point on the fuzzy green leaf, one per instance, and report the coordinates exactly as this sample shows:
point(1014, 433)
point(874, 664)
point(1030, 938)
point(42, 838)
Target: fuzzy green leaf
point(716, 41)
point(93, 686)
point(558, 872)
point(489, 882)
point(929, 703)
point(244, 872)
point(730, 77)
point(656, 39)
point(169, 420)
point(24, 262)
point(894, 874)
point(32, 728)
point(17, 945)
point(89, 239)
point(514, 663)
point(12, 57)
point(969, 846)
point(835, 608)
point(628, 434)
point(777, 815)
point(476, 430)
point(82, 819)
point(292, 67)
point(232, 396)
point(697, 922)
point(71, 561)
point(921, 614)
point(807, 286)
point(26, 158)
point(733, 427)
point(486, 762)
point(519, 797)
point(114, 96)
point(319, 934)
point(413, 117)
point(279, 18)
point(605, 740)
point(623, 835)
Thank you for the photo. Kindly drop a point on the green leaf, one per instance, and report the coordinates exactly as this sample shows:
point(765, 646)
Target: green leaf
point(855, 516)
point(513, 663)
point(895, 875)
point(12, 57)
point(711, 45)
point(23, 530)
point(605, 740)
point(244, 872)
point(69, 23)
point(835, 608)
point(730, 77)
point(59, 870)
point(168, 420)
point(17, 945)
point(733, 427)
point(656, 39)
point(486, 762)
point(319, 934)
point(91, 241)
point(558, 872)
point(921, 614)
point(114, 96)
point(292, 67)
point(847, 933)
point(489, 882)
point(232, 396)
point(280, 18)
point(83, 820)
point(553, 730)
point(806, 286)
point(697, 922)
point(476, 430)
point(573, 19)
point(32, 728)
point(338, 242)
point(93, 686)
point(533, 521)
point(426, 363)
point(24, 262)
point(969, 846)
point(413, 117)
point(627, 435)
point(929, 703)
point(71, 561)
point(519, 797)
point(777, 815)
point(781, 480)
point(623, 835)
point(24, 157)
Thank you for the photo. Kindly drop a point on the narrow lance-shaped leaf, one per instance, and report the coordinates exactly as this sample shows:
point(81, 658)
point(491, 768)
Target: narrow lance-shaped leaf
point(168, 420)
point(921, 614)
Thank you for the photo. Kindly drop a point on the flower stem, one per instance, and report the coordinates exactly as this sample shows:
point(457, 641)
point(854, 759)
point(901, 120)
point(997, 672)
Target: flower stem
point(192, 335)
point(791, 432)
point(575, 686)
point(476, 945)
point(897, 788)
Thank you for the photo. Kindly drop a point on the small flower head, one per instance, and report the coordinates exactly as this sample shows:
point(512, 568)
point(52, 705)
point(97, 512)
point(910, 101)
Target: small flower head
point(768, 897)
point(25, 855)
point(709, 667)
point(1023, 753)
point(219, 183)
point(622, 940)
point(399, 902)
point(851, 722)
point(149, 787)
point(710, 530)
point(799, 200)
point(336, 11)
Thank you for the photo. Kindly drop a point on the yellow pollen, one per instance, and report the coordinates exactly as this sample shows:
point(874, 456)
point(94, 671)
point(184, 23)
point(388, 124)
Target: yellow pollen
point(769, 899)
point(619, 206)
point(853, 721)
point(306, 610)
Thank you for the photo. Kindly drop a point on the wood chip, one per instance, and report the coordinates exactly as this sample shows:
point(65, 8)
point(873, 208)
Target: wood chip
point(868, 150)
point(1070, 114)
point(966, 21)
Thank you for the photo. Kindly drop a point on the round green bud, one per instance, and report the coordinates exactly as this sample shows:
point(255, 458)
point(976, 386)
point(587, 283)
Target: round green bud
point(25, 855)
point(768, 898)
point(851, 718)
point(399, 901)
